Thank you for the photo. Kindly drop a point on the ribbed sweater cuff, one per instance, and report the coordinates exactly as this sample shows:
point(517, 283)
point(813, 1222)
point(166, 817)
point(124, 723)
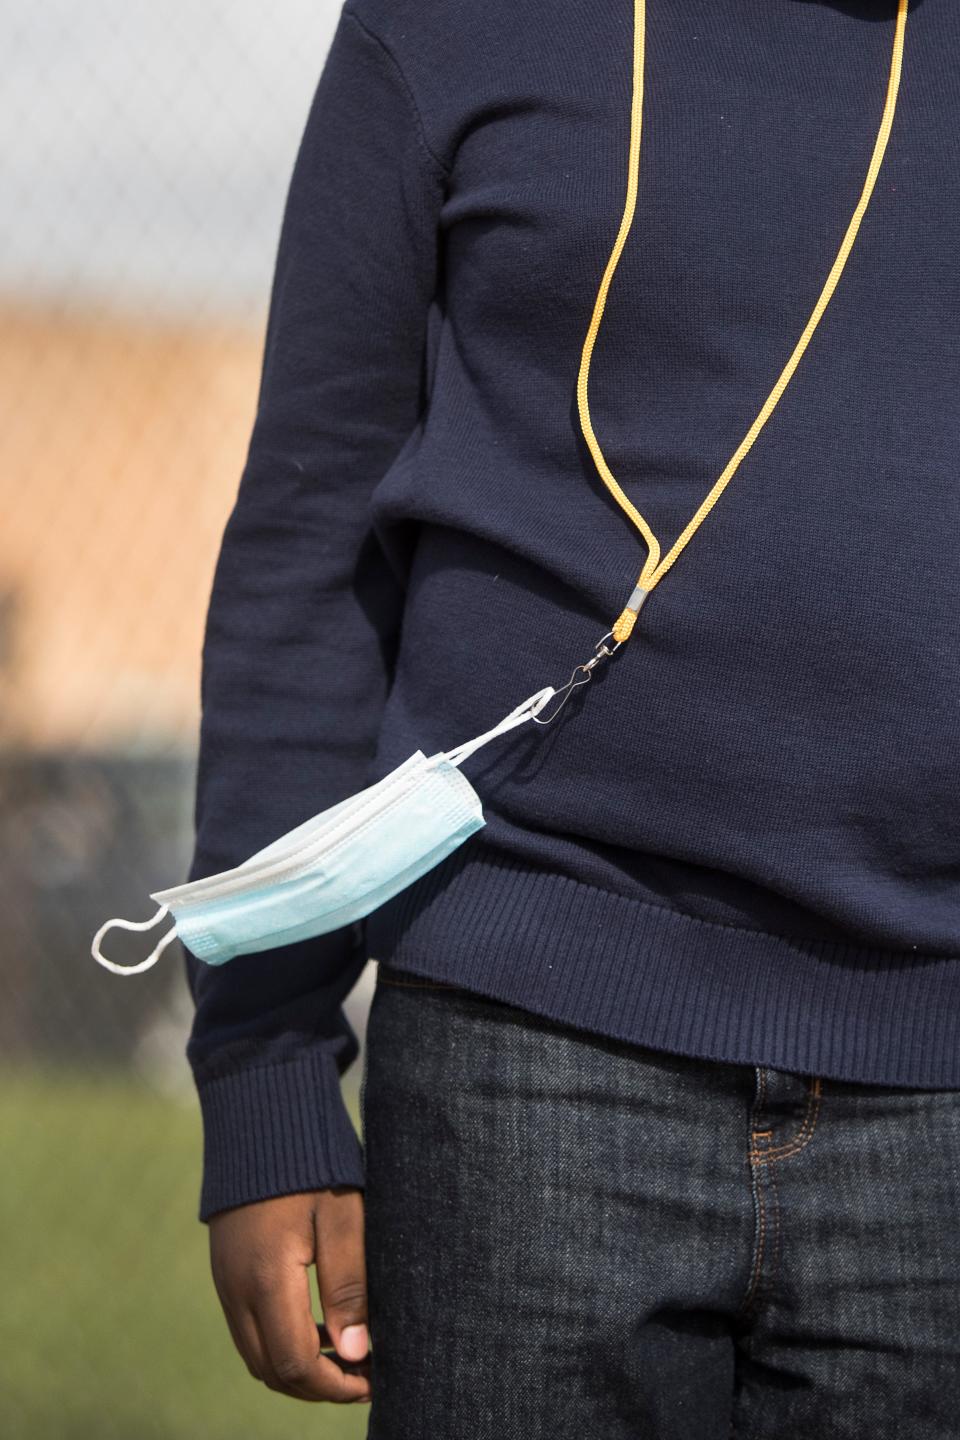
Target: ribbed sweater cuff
point(275, 1130)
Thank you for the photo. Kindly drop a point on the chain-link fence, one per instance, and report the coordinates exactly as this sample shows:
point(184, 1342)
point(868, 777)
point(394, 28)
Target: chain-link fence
point(146, 154)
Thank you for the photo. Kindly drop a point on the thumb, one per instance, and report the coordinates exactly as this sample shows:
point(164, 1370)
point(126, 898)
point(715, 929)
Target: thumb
point(341, 1270)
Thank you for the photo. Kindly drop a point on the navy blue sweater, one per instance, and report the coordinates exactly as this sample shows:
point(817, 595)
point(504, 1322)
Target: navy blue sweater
point(740, 841)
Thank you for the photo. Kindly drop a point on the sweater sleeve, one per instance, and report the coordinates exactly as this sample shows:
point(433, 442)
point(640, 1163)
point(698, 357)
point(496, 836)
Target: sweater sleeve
point(304, 611)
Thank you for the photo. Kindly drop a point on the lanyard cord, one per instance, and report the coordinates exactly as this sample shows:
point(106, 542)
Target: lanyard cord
point(654, 568)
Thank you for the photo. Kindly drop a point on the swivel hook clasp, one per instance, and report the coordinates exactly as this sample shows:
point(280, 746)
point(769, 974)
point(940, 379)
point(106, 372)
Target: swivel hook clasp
point(581, 674)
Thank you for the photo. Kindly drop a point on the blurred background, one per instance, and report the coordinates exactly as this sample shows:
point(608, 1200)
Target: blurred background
point(145, 157)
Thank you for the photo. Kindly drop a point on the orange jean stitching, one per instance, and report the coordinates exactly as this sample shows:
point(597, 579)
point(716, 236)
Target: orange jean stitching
point(804, 1134)
point(758, 1258)
point(777, 1226)
point(748, 1299)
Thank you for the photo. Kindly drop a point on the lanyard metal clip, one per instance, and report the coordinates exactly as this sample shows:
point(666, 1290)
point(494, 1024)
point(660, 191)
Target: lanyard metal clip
point(581, 674)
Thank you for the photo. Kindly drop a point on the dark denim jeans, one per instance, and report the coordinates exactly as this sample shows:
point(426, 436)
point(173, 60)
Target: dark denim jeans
point(572, 1237)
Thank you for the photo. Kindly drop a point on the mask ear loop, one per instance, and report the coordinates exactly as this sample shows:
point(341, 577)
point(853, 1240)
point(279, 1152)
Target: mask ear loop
point(525, 711)
point(151, 959)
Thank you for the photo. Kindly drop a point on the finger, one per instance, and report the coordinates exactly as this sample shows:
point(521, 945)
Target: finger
point(291, 1342)
point(240, 1322)
point(350, 1367)
point(341, 1271)
point(246, 1338)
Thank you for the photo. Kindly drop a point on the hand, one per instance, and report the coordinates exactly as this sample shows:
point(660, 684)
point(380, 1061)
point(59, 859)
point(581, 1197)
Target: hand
point(260, 1256)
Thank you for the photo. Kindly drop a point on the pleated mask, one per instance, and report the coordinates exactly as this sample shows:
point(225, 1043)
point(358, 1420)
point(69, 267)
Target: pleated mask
point(334, 868)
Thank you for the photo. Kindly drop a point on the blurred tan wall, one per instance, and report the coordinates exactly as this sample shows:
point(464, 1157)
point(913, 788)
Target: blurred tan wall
point(121, 446)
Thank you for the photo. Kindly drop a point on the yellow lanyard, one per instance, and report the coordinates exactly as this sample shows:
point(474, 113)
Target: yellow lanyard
point(654, 568)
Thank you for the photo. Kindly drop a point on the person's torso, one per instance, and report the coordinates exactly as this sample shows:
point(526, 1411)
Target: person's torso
point(776, 745)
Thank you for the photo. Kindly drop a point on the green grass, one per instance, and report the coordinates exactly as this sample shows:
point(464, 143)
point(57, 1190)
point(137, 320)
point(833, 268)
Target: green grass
point(109, 1324)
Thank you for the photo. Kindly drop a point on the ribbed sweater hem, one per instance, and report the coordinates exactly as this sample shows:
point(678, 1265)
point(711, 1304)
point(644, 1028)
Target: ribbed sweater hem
point(655, 976)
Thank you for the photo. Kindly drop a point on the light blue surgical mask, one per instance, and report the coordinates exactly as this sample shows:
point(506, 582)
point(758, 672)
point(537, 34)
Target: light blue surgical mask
point(334, 868)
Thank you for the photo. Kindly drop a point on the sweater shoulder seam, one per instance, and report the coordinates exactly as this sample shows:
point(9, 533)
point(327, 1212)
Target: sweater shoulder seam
point(428, 149)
